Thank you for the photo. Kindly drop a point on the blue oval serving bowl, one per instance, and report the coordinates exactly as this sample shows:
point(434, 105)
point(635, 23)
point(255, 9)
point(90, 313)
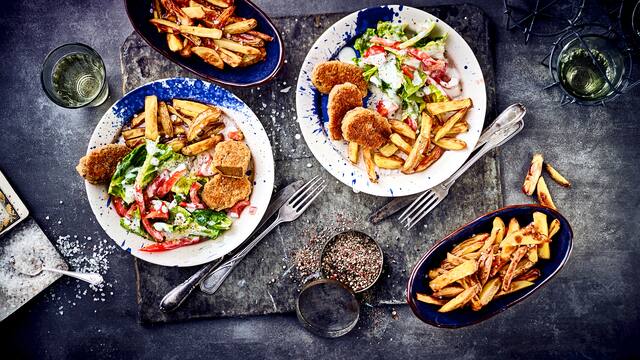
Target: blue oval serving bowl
point(139, 14)
point(418, 282)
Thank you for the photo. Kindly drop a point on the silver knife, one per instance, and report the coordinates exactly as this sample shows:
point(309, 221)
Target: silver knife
point(393, 206)
point(179, 294)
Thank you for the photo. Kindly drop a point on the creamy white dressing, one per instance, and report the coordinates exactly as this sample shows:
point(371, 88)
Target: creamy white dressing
point(453, 87)
point(389, 73)
point(411, 61)
point(179, 219)
point(375, 60)
point(160, 226)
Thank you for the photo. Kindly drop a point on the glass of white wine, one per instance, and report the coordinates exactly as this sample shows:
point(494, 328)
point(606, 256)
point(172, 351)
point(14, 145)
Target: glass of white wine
point(74, 76)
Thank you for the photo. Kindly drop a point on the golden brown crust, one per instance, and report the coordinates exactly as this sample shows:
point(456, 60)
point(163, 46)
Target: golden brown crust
point(222, 192)
point(342, 98)
point(366, 127)
point(99, 164)
point(328, 74)
point(231, 158)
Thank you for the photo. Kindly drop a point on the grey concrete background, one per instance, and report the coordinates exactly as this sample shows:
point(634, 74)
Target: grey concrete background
point(590, 310)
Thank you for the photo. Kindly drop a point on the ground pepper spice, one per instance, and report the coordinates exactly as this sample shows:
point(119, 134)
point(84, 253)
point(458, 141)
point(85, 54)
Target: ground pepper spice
point(352, 258)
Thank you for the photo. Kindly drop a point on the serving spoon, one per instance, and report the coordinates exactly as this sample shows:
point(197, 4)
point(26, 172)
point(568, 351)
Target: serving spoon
point(34, 267)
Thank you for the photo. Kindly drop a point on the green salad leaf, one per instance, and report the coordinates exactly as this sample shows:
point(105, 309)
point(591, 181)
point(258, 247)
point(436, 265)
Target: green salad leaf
point(126, 172)
point(159, 156)
point(428, 27)
point(132, 225)
point(391, 31)
point(362, 43)
point(211, 219)
point(435, 95)
point(183, 185)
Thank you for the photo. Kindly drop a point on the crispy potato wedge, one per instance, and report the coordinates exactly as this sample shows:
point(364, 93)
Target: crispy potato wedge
point(402, 128)
point(398, 141)
point(451, 143)
point(430, 299)
point(484, 267)
point(435, 273)
point(248, 60)
point(459, 301)
point(229, 57)
point(515, 286)
point(388, 149)
point(201, 146)
point(489, 290)
point(388, 162)
point(556, 176)
point(500, 228)
point(194, 12)
point(531, 275)
point(151, 118)
point(166, 26)
point(446, 106)
point(371, 168)
point(200, 31)
point(554, 227)
point(430, 159)
point(448, 292)
point(219, 3)
point(203, 120)
point(137, 120)
point(448, 125)
point(165, 120)
point(189, 108)
point(463, 270)
point(459, 128)
point(133, 133)
point(209, 55)
point(179, 118)
point(134, 142)
point(525, 236)
point(174, 42)
point(353, 152)
point(241, 26)
point(535, 169)
point(422, 143)
point(541, 226)
point(237, 47)
point(513, 226)
point(177, 144)
point(544, 196)
point(474, 240)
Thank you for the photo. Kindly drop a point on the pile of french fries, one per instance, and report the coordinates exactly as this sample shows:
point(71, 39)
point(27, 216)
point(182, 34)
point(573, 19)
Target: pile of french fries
point(413, 151)
point(488, 266)
point(210, 30)
point(187, 126)
point(534, 182)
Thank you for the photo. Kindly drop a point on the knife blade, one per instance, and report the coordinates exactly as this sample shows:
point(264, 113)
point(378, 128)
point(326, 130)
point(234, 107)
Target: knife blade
point(391, 208)
point(179, 294)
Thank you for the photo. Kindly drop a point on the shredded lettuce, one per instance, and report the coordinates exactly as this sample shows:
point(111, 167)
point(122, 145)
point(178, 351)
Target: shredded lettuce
point(435, 95)
point(369, 70)
point(390, 31)
point(362, 43)
point(211, 219)
point(183, 185)
point(428, 26)
point(126, 172)
point(435, 48)
point(132, 225)
point(159, 156)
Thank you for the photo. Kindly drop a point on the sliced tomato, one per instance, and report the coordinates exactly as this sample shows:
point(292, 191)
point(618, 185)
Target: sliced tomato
point(236, 135)
point(131, 210)
point(419, 54)
point(139, 198)
point(119, 205)
point(161, 212)
point(156, 184)
point(170, 245)
point(381, 109)
point(412, 123)
point(191, 206)
point(374, 50)
point(193, 193)
point(157, 235)
point(168, 184)
point(239, 207)
point(408, 70)
point(384, 42)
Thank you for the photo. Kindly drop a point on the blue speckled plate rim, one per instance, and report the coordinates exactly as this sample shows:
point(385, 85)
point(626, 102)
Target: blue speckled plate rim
point(524, 295)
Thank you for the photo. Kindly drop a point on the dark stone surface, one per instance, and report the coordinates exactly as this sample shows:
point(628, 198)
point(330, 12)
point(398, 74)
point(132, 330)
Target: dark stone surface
point(264, 282)
point(590, 310)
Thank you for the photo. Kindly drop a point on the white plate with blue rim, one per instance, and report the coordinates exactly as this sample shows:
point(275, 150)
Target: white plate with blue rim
point(311, 104)
point(107, 131)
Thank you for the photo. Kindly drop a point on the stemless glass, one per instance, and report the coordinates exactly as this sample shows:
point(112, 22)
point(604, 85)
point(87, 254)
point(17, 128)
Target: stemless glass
point(74, 76)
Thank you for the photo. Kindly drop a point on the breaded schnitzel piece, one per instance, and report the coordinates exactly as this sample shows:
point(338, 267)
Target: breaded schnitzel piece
point(366, 127)
point(328, 74)
point(342, 98)
point(231, 158)
point(222, 192)
point(99, 164)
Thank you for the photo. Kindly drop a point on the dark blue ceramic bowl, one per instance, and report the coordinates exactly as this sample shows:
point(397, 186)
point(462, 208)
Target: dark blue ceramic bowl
point(418, 282)
point(254, 75)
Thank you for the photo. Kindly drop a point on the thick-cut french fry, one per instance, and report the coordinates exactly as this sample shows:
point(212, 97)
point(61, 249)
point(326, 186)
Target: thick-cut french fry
point(133, 133)
point(388, 149)
point(513, 226)
point(353, 152)
point(229, 57)
point(179, 118)
point(371, 168)
point(541, 226)
point(241, 26)
point(451, 143)
point(398, 141)
point(435, 273)
point(204, 119)
point(201, 31)
point(484, 267)
point(166, 25)
point(463, 270)
point(201, 146)
point(237, 47)
point(429, 299)
point(189, 108)
point(515, 286)
point(477, 239)
point(174, 42)
point(489, 290)
point(177, 144)
point(194, 12)
point(556, 176)
point(402, 128)
point(421, 144)
point(218, 3)
point(448, 125)
point(525, 236)
point(459, 128)
point(251, 59)
point(262, 36)
point(554, 227)
point(209, 55)
point(137, 120)
point(446, 106)
point(431, 158)
point(448, 292)
point(151, 117)
point(179, 130)
point(246, 39)
point(533, 174)
point(388, 162)
point(134, 142)
point(501, 230)
point(544, 196)
point(459, 301)
point(165, 120)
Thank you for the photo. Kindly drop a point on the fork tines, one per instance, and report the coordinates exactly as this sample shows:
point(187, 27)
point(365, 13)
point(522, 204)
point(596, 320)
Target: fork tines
point(307, 194)
point(419, 208)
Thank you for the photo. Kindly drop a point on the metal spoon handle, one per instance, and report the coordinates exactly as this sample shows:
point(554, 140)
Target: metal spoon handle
point(178, 294)
point(91, 278)
point(513, 113)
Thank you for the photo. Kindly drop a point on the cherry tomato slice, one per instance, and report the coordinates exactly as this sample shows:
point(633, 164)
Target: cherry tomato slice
point(152, 189)
point(239, 207)
point(374, 50)
point(168, 184)
point(119, 205)
point(157, 235)
point(193, 193)
point(170, 245)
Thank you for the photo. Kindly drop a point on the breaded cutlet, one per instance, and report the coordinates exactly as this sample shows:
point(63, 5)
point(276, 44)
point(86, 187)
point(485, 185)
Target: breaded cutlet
point(366, 127)
point(231, 158)
point(342, 98)
point(222, 192)
point(328, 74)
point(99, 164)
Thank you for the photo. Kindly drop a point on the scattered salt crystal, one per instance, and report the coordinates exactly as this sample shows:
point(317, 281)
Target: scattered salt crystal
point(286, 90)
point(309, 165)
point(47, 217)
point(297, 136)
point(61, 202)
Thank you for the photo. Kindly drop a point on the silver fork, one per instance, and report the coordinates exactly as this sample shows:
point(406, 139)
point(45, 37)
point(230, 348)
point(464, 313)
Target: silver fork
point(291, 210)
point(507, 125)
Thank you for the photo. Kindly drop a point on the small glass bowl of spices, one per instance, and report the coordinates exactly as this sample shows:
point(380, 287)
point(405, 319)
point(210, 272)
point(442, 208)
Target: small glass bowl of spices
point(352, 258)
